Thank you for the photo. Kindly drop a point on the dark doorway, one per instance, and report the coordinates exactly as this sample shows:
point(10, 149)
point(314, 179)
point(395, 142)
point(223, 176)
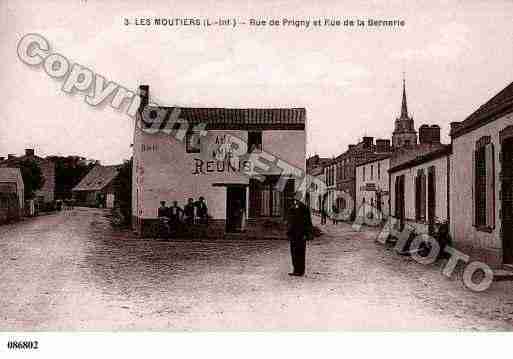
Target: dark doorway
point(235, 208)
point(431, 199)
point(507, 200)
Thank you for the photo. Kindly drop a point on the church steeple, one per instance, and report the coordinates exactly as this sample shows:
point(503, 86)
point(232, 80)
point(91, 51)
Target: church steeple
point(404, 106)
point(404, 132)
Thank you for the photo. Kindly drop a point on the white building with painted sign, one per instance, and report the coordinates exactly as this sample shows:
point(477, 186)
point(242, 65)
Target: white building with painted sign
point(240, 160)
point(372, 188)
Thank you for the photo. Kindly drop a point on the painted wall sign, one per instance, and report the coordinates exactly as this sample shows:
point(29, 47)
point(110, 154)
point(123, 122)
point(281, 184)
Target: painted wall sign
point(205, 167)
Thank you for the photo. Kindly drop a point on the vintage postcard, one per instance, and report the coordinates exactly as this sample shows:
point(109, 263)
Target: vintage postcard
point(255, 166)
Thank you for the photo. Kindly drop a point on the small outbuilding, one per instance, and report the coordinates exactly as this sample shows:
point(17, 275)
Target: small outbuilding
point(97, 188)
point(11, 194)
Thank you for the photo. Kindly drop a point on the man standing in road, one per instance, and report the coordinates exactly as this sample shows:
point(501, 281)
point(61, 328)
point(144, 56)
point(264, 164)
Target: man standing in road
point(299, 230)
point(323, 209)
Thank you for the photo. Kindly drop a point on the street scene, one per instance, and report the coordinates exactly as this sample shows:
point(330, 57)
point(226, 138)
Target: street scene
point(256, 166)
point(71, 271)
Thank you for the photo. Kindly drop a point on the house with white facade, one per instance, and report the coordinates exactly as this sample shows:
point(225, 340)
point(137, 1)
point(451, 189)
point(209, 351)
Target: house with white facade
point(419, 188)
point(246, 163)
point(372, 188)
point(481, 196)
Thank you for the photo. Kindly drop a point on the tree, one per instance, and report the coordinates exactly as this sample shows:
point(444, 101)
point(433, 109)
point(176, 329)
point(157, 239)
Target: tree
point(32, 177)
point(69, 171)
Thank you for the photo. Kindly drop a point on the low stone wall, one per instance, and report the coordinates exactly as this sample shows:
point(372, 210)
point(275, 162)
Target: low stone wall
point(216, 228)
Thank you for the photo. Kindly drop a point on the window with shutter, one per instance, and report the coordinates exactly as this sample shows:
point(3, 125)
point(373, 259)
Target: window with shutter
point(420, 196)
point(490, 186)
point(423, 196)
point(480, 187)
point(484, 184)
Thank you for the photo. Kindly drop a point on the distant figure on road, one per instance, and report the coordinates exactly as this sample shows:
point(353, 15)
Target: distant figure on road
point(323, 210)
point(299, 229)
point(334, 214)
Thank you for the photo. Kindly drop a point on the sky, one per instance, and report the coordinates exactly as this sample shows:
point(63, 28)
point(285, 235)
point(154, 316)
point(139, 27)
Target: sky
point(455, 55)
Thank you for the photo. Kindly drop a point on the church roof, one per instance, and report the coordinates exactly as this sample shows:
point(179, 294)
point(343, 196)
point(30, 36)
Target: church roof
point(404, 105)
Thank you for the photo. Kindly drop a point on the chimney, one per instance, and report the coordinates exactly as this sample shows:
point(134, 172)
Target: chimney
point(144, 94)
point(2, 158)
point(424, 134)
point(10, 156)
point(29, 152)
point(368, 141)
point(455, 126)
point(382, 145)
point(435, 134)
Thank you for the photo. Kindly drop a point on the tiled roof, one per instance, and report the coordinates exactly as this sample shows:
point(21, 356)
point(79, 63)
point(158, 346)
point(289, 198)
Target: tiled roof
point(374, 158)
point(97, 178)
point(497, 106)
point(233, 118)
point(435, 152)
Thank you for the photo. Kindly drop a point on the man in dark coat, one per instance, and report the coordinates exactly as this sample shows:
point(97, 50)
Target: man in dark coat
point(202, 211)
point(163, 215)
point(175, 217)
point(188, 211)
point(299, 230)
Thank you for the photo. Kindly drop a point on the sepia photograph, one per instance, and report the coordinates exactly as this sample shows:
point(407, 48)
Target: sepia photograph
point(255, 166)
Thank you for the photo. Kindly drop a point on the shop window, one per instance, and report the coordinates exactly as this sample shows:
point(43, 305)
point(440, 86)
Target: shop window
point(192, 142)
point(266, 200)
point(254, 141)
point(484, 184)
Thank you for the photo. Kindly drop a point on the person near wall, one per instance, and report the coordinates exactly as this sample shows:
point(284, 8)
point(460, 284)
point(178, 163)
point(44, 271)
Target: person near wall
point(323, 210)
point(175, 217)
point(202, 211)
point(188, 212)
point(163, 216)
point(334, 214)
point(299, 223)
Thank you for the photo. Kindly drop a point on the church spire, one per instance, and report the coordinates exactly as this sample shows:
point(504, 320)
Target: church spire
point(404, 106)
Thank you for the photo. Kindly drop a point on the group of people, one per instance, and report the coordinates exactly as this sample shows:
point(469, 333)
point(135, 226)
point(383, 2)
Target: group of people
point(172, 218)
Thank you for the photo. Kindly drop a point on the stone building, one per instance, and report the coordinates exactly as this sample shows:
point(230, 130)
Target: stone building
point(47, 192)
point(315, 162)
point(481, 196)
point(344, 169)
point(317, 193)
point(242, 161)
